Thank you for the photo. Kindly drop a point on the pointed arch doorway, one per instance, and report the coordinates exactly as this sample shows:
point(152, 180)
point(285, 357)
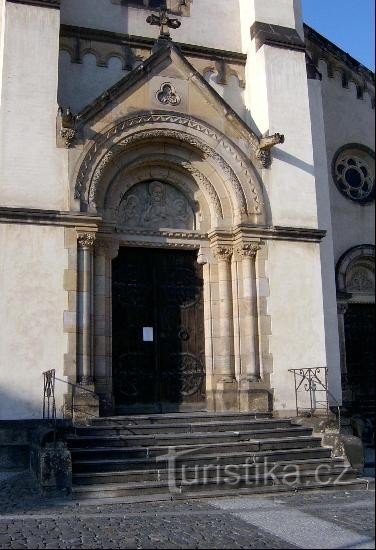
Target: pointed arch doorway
point(158, 349)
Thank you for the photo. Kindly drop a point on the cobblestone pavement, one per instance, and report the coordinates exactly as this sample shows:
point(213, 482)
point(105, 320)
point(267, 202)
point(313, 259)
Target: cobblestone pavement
point(29, 521)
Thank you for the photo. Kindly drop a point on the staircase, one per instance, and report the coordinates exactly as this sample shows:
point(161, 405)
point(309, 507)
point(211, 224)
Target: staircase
point(210, 454)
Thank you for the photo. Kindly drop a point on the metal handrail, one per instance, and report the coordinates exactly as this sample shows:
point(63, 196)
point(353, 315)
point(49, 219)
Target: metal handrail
point(308, 379)
point(49, 401)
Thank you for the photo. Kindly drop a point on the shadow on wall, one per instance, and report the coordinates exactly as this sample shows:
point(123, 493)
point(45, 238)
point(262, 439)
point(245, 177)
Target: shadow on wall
point(15, 406)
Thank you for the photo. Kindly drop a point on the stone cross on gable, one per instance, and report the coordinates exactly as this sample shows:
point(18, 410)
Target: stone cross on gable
point(163, 21)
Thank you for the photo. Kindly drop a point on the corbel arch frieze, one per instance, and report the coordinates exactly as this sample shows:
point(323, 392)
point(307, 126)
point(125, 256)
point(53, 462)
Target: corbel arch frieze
point(239, 174)
point(179, 172)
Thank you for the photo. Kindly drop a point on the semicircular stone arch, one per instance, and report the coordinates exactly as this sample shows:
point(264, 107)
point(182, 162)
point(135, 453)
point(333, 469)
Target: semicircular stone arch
point(355, 273)
point(221, 157)
point(173, 167)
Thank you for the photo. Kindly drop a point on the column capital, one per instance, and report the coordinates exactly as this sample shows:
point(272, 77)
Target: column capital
point(247, 250)
point(86, 240)
point(106, 247)
point(223, 253)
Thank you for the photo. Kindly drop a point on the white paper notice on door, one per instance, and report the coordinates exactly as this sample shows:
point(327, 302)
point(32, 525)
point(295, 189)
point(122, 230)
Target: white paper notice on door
point(148, 334)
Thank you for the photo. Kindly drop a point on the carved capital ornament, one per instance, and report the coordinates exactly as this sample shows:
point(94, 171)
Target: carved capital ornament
point(223, 253)
point(248, 250)
point(86, 240)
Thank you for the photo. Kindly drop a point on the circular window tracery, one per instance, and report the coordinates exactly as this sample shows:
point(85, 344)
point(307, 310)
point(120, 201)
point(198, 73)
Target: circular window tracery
point(354, 173)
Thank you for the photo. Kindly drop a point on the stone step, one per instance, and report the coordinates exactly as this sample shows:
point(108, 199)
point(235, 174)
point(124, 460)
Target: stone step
point(96, 464)
point(250, 446)
point(349, 485)
point(157, 474)
point(124, 428)
point(173, 439)
point(252, 483)
point(181, 418)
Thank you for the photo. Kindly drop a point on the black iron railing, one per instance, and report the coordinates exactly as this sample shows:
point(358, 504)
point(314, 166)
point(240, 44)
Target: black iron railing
point(314, 382)
point(71, 410)
point(49, 402)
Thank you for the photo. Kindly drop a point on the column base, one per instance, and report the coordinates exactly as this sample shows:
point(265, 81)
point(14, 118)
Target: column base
point(86, 404)
point(226, 396)
point(254, 396)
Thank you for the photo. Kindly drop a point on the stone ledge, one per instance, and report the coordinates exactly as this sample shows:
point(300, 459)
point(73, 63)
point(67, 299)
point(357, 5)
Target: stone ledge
point(55, 4)
point(275, 35)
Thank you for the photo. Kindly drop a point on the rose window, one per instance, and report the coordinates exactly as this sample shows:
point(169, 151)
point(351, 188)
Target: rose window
point(354, 174)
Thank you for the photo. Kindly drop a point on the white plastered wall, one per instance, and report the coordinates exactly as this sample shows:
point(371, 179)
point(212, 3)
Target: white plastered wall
point(2, 24)
point(296, 309)
point(326, 248)
point(277, 100)
point(32, 302)
point(201, 28)
point(347, 120)
point(32, 170)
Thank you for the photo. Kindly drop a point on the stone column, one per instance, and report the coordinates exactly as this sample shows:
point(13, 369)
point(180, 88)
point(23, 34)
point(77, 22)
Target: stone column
point(85, 401)
point(250, 361)
point(341, 312)
point(253, 393)
point(226, 389)
point(85, 260)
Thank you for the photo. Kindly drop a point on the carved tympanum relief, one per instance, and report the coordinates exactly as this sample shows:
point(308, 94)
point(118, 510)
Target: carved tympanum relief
point(361, 279)
point(155, 205)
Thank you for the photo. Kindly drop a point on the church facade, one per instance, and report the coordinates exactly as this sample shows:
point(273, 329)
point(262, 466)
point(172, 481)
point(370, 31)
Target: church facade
point(186, 207)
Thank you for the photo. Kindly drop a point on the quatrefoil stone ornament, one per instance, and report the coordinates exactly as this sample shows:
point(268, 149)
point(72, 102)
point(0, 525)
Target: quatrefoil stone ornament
point(167, 95)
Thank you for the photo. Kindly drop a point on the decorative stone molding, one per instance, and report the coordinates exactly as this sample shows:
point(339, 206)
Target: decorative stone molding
point(68, 135)
point(348, 277)
point(263, 154)
point(353, 172)
point(168, 234)
point(340, 65)
point(167, 95)
point(155, 244)
point(92, 161)
point(86, 240)
point(130, 48)
point(223, 253)
point(248, 250)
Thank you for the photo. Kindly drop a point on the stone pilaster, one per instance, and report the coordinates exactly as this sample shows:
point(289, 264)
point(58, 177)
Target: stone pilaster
point(105, 251)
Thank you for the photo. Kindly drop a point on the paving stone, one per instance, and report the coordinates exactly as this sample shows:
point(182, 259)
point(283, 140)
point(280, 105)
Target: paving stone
point(29, 521)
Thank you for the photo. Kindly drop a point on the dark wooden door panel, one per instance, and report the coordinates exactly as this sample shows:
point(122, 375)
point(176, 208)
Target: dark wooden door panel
point(360, 349)
point(162, 290)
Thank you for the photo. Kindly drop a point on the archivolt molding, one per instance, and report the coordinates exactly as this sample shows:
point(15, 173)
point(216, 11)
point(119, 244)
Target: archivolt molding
point(352, 260)
point(102, 153)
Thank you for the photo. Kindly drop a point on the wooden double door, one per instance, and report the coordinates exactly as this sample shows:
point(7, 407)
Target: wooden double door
point(158, 331)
